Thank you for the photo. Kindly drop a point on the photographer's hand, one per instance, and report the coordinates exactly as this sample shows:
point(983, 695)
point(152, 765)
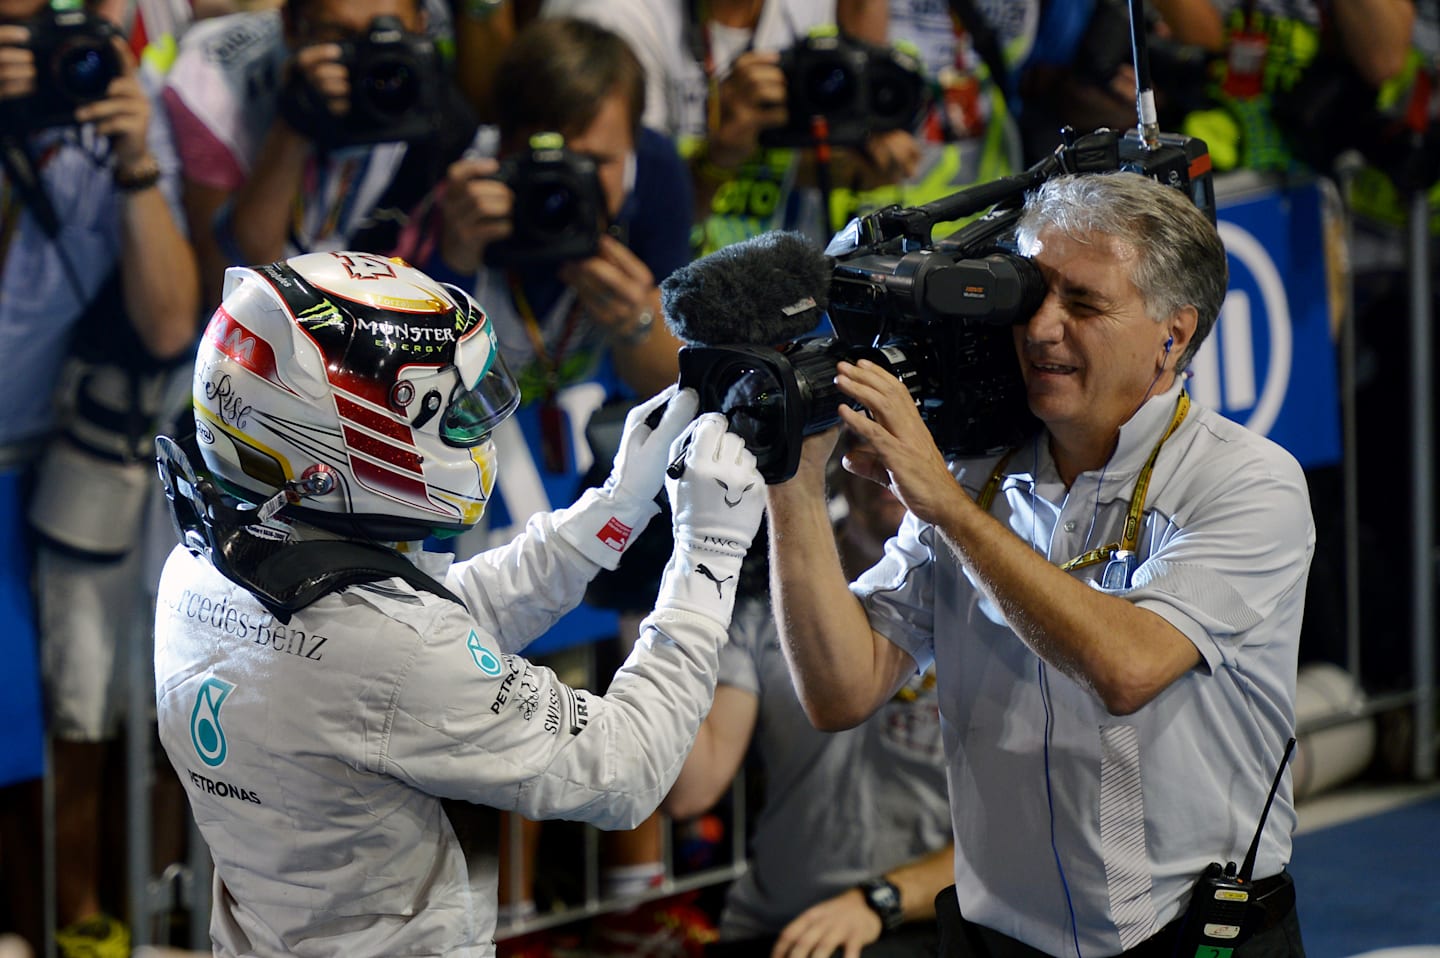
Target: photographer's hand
point(319, 66)
point(475, 211)
point(843, 924)
point(752, 98)
point(889, 157)
point(618, 293)
point(904, 456)
point(17, 62)
point(124, 117)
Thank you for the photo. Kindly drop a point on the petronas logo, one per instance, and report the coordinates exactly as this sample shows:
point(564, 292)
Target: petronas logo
point(321, 316)
point(205, 732)
point(485, 660)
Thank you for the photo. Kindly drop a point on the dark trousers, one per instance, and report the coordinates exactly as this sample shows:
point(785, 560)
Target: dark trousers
point(914, 939)
point(1278, 935)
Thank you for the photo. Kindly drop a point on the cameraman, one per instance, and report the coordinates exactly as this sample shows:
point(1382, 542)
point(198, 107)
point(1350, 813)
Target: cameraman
point(258, 101)
point(98, 298)
point(1112, 729)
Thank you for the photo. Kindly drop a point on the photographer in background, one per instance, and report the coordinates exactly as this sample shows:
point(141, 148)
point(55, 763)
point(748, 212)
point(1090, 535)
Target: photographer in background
point(317, 126)
point(716, 85)
point(1113, 607)
point(98, 299)
point(583, 83)
point(562, 224)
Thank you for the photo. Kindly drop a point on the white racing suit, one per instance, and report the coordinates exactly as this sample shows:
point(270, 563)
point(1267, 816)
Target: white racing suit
point(315, 752)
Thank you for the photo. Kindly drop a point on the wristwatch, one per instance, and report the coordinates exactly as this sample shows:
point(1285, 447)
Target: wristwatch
point(884, 899)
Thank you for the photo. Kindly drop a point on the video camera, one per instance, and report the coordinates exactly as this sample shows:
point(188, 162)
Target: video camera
point(395, 88)
point(75, 62)
point(938, 316)
point(858, 87)
point(560, 208)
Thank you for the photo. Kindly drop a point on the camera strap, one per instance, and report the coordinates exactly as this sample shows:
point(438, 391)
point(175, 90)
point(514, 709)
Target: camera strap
point(1123, 550)
point(983, 39)
point(23, 181)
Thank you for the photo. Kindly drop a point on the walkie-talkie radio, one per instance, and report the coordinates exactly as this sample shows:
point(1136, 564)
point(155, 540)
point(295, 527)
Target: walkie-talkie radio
point(1222, 912)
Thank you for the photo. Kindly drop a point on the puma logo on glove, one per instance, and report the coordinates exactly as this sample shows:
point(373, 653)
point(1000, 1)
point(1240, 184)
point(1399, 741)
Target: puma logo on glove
point(738, 498)
point(704, 570)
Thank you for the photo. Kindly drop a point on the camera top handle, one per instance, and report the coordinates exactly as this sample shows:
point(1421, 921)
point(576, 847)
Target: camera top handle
point(1097, 152)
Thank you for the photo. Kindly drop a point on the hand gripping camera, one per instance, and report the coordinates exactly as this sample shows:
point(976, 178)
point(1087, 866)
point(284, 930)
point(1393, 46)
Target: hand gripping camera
point(75, 62)
point(560, 208)
point(395, 86)
point(857, 87)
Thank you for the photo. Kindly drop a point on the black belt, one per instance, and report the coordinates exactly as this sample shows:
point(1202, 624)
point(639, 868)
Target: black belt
point(1273, 898)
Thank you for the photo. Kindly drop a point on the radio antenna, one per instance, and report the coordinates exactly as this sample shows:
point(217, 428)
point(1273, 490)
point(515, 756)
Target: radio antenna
point(1144, 92)
point(1249, 866)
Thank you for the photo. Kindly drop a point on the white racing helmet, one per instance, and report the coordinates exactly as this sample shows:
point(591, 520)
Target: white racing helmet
point(359, 387)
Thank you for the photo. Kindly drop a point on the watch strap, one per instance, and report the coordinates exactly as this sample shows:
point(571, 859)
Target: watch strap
point(883, 897)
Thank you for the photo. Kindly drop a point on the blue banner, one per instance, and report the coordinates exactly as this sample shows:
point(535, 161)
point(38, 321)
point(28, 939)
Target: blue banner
point(1270, 363)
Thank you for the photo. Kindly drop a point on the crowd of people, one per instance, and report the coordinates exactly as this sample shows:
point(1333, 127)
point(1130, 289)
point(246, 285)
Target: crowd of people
point(389, 276)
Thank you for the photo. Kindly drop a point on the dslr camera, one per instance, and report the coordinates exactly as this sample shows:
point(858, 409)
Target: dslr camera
point(395, 89)
point(859, 88)
point(560, 208)
point(937, 315)
point(75, 61)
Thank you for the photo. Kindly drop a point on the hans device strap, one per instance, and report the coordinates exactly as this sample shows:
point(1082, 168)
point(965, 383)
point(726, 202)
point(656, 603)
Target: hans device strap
point(284, 576)
point(300, 573)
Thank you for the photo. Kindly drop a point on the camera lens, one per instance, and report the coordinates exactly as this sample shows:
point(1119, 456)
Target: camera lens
point(754, 403)
point(894, 95)
point(83, 71)
point(390, 86)
point(829, 86)
point(551, 208)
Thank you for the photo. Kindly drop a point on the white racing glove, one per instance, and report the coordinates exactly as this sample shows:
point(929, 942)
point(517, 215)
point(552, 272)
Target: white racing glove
point(606, 520)
point(717, 497)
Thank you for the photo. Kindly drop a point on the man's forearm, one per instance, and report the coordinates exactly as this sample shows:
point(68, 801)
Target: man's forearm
point(841, 669)
point(1126, 654)
point(262, 208)
point(921, 880)
point(162, 287)
point(1376, 35)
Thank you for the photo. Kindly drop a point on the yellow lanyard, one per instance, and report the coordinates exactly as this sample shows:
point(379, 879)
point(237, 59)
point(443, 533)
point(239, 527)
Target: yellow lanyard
point(1130, 536)
point(549, 362)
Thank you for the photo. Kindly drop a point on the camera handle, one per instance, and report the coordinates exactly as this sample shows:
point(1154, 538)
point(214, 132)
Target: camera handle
point(1093, 152)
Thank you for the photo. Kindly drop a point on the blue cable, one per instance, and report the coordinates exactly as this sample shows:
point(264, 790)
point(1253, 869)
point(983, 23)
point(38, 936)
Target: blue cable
point(1050, 800)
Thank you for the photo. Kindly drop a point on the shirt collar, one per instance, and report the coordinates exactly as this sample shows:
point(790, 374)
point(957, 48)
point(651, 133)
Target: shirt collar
point(1141, 431)
point(1138, 434)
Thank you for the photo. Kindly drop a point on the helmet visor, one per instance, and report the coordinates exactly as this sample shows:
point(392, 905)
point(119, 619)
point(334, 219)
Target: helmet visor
point(473, 413)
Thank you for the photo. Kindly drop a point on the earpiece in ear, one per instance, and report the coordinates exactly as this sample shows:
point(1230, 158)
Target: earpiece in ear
point(1168, 343)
